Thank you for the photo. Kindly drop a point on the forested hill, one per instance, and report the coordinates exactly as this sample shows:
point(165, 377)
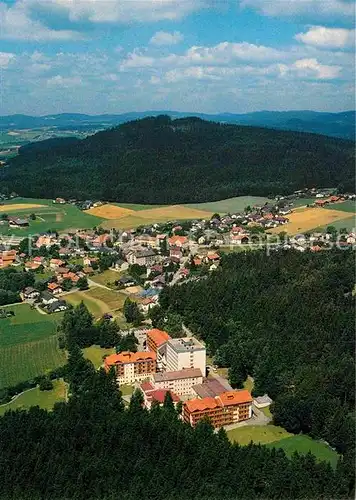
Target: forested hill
point(159, 160)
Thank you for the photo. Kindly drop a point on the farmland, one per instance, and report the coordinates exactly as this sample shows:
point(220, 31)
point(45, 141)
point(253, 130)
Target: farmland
point(231, 205)
point(106, 277)
point(35, 397)
point(109, 211)
point(310, 218)
point(28, 345)
point(48, 216)
point(94, 305)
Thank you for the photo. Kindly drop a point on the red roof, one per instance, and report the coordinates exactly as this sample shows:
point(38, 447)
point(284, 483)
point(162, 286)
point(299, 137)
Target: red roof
point(147, 386)
point(160, 394)
point(159, 337)
point(129, 357)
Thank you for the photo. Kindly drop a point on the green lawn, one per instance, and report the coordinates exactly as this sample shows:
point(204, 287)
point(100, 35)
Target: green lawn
point(258, 434)
point(28, 345)
point(126, 390)
point(346, 206)
point(95, 354)
point(230, 205)
point(349, 223)
point(266, 411)
point(49, 216)
point(303, 444)
point(136, 206)
point(35, 397)
point(248, 384)
point(302, 202)
point(106, 277)
point(96, 307)
point(114, 300)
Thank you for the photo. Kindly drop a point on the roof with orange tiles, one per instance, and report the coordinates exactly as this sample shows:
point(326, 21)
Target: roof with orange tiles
point(202, 404)
point(159, 337)
point(235, 397)
point(53, 286)
point(129, 357)
point(178, 240)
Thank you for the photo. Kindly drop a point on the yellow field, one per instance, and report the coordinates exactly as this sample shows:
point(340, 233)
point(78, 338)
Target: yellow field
point(310, 218)
point(110, 211)
point(18, 206)
point(152, 215)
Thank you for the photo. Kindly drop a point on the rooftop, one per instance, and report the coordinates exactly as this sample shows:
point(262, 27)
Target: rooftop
point(176, 375)
point(159, 337)
point(160, 394)
point(230, 398)
point(129, 357)
point(185, 344)
point(209, 388)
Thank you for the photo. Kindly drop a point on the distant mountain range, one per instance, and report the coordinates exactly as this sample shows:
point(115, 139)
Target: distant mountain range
point(332, 124)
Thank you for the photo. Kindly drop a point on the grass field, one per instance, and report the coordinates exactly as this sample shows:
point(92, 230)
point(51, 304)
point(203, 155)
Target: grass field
point(35, 397)
point(114, 300)
point(106, 277)
point(95, 306)
point(345, 206)
point(349, 224)
point(263, 434)
point(28, 345)
point(301, 222)
point(126, 390)
point(95, 354)
point(303, 444)
point(302, 202)
point(109, 211)
point(230, 205)
point(49, 216)
point(136, 207)
point(153, 215)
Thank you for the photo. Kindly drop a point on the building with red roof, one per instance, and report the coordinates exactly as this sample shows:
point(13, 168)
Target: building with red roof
point(156, 338)
point(228, 408)
point(132, 367)
point(150, 394)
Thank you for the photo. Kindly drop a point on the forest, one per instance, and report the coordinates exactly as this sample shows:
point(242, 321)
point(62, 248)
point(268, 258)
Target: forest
point(160, 160)
point(94, 447)
point(286, 319)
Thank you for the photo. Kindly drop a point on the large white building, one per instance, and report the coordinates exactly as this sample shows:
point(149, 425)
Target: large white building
point(185, 352)
point(180, 382)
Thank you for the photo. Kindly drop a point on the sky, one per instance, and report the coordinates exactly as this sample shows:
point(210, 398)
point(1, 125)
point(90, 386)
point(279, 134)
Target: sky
point(212, 56)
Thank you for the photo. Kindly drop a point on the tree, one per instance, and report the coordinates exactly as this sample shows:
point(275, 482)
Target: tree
point(46, 384)
point(174, 325)
point(4, 216)
point(136, 401)
point(67, 284)
point(82, 283)
point(168, 402)
point(132, 312)
point(216, 216)
point(33, 216)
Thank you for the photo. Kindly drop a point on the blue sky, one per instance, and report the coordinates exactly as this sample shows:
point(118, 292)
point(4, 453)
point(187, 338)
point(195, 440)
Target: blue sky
point(112, 56)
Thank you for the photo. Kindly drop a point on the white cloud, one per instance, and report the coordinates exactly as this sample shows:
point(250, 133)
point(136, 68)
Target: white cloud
point(137, 60)
point(312, 9)
point(64, 82)
point(311, 68)
point(6, 58)
point(322, 37)
point(123, 11)
point(16, 24)
point(165, 38)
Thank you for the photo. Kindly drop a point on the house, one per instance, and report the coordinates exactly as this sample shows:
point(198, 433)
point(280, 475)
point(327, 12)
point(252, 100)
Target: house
point(262, 401)
point(159, 281)
point(88, 270)
point(131, 366)
point(57, 306)
point(30, 293)
point(239, 239)
point(146, 305)
point(7, 258)
point(88, 261)
point(156, 339)
point(47, 298)
point(145, 257)
point(178, 241)
point(56, 263)
point(156, 269)
point(59, 200)
point(55, 288)
point(101, 240)
point(150, 395)
point(16, 222)
point(147, 240)
point(45, 241)
point(65, 252)
point(126, 281)
point(184, 273)
point(351, 238)
point(31, 266)
point(176, 252)
point(180, 382)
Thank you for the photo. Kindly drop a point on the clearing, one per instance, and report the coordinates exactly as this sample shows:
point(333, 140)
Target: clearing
point(308, 219)
point(153, 215)
point(304, 444)
point(107, 277)
point(113, 300)
point(345, 206)
point(257, 434)
point(95, 306)
point(95, 354)
point(109, 211)
point(231, 205)
point(49, 216)
point(35, 397)
point(28, 345)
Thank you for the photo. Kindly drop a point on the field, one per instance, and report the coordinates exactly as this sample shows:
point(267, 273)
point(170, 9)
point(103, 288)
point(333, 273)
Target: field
point(110, 211)
point(95, 306)
point(277, 437)
point(35, 397)
point(345, 206)
point(28, 345)
point(113, 300)
point(349, 223)
point(153, 215)
point(230, 205)
point(263, 434)
point(106, 277)
point(95, 354)
point(303, 444)
point(48, 216)
point(310, 218)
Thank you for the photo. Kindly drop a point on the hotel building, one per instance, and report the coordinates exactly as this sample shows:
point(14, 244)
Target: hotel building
point(132, 367)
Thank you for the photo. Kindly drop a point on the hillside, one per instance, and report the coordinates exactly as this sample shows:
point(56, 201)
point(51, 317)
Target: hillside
point(333, 124)
point(160, 160)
